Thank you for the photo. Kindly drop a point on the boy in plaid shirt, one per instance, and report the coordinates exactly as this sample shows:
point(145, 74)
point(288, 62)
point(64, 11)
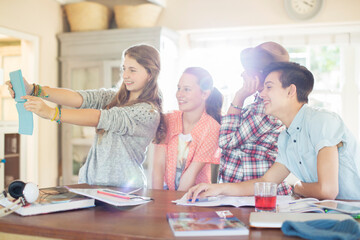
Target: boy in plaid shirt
point(248, 137)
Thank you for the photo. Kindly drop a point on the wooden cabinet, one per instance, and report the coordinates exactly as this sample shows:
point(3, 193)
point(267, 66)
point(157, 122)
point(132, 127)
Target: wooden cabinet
point(91, 60)
point(12, 165)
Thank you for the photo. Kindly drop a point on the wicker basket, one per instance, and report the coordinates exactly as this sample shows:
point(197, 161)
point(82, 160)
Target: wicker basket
point(87, 16)
point(135, 16)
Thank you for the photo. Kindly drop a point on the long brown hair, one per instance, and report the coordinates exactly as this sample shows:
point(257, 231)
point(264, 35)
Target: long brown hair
point(148, 57)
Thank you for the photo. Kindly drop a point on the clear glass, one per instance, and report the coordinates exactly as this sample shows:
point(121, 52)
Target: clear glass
point(265, 196)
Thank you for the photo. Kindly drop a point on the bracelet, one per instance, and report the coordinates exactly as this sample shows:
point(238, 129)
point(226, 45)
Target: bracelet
point(59, 120)
point(56, 113)
point(33, 90)
point(235, 106)
point(38, 90)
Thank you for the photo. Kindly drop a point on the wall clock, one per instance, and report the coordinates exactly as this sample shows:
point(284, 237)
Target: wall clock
point(302, 9)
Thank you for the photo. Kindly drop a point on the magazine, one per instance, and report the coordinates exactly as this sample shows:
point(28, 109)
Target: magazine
point(54, 199)
point(219, 223)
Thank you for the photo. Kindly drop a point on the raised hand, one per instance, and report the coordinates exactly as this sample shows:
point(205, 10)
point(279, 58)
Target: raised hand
point(250, 86)
point(39, 107)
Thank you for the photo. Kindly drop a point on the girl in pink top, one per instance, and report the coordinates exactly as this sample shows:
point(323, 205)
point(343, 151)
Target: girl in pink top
point(184, 158)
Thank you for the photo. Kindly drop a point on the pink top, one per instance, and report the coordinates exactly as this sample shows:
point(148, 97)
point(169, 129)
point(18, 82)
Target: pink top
point(204, 146)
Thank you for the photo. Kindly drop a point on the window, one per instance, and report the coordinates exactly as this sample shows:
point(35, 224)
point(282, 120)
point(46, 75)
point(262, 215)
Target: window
point(332, 54)
point(324, 62)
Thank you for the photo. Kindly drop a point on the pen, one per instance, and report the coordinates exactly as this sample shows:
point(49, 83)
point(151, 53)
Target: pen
point(113, 194)
point(203, 199)
point(123, 195)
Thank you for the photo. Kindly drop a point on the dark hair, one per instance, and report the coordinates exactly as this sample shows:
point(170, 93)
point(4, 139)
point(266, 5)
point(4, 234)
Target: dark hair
point(148, 57)
point(293, 73)
point(215, 100)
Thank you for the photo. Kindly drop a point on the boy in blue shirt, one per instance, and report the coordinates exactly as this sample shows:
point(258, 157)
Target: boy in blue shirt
point(316, 146)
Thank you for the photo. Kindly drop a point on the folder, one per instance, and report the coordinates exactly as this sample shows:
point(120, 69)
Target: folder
point(26, 123)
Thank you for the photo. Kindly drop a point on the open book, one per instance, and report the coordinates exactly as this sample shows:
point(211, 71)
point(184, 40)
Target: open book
point(228, 201)
point(219, 223)
point(300, 206)
point(50, 200)
point(324, 206)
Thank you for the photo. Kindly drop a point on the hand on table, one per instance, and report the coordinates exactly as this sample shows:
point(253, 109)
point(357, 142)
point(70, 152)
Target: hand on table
point(204, 190)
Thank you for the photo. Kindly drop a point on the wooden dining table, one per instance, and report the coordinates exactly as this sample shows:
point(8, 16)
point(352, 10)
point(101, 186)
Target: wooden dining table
point(105, 221)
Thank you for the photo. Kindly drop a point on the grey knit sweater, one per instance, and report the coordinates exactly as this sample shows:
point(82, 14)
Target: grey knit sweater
point(117, 155)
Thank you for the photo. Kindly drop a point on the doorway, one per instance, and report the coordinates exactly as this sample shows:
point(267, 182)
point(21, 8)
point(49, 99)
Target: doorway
point(18, 50)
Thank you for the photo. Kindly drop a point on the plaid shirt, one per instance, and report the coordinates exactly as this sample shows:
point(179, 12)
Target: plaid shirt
point(249, 145)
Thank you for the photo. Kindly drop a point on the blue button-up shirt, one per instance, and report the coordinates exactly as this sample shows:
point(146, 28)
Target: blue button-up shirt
point(311, 130)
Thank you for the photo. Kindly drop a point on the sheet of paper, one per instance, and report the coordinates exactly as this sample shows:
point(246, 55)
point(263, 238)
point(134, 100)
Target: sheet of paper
point(92, 193)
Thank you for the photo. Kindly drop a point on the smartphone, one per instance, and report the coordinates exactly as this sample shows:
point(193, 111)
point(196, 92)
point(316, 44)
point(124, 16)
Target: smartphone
point(343, 207)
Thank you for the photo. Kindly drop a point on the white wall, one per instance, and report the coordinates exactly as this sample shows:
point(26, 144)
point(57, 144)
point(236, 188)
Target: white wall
point(205, 14)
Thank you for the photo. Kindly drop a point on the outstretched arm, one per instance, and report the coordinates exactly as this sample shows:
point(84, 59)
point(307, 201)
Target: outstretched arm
point(82, 117)
point(62, 96)
point(59, 96)
point(327, 186)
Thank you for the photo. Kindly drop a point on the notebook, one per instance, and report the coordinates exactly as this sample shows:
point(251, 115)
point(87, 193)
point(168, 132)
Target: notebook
point(275, 220)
